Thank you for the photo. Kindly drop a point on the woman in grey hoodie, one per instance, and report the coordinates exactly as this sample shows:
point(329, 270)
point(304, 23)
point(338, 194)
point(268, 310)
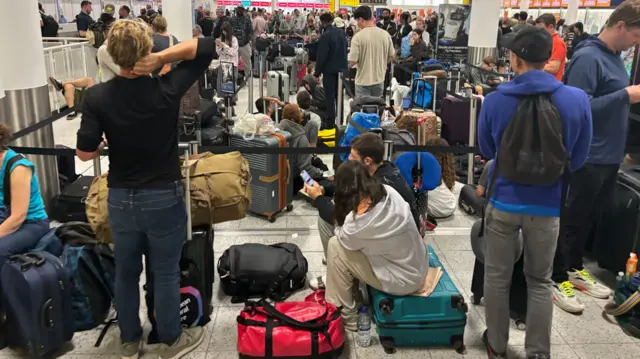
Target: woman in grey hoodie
point(376, 241)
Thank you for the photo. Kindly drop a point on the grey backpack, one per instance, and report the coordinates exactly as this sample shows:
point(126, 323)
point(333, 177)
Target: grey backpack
point(399, 137)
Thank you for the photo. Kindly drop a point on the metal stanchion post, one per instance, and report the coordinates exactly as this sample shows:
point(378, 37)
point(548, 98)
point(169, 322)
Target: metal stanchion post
point(388, 150)
point(473, 103)
point(388, 93)
point(260, 74)
point(250, 105)
point(187, 186)
point(228, 104)
point(193, 147)
point(340, 103)
point(97, 166)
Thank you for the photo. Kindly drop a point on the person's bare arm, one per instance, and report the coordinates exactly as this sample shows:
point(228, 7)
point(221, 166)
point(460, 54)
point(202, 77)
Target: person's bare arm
point(20, 196)
point(354, 52)
point(183, 51)
point(552, 67)
point(82, 33)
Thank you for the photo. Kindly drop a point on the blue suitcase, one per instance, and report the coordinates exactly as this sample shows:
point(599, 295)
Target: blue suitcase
point(436, 320)
point(37, 297)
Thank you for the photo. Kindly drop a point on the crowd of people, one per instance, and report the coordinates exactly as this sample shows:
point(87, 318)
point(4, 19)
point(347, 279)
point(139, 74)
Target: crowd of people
point(368, 220)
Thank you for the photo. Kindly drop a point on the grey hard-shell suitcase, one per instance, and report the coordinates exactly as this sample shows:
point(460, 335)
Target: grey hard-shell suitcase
point(271, 177)
point(278, 85)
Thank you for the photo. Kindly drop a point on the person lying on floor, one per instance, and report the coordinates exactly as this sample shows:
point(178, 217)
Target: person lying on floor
point(301, 136)
point(23, 220)
point(376, 242)
point(367, 148)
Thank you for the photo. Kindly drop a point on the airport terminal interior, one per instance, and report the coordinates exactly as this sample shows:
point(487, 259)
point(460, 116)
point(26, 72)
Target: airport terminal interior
point(589, 335)
point(586, 336)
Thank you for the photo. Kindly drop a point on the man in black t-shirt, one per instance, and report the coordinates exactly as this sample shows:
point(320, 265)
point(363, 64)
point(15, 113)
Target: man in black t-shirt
point(138, 115)
point(206, 23)
point(84, 19)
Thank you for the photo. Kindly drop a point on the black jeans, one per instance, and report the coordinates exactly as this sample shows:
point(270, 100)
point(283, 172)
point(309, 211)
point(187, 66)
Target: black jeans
point(590, 193)
point(330, 84)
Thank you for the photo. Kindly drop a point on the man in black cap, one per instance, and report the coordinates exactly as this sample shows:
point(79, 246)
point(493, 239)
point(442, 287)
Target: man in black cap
point(543, 121)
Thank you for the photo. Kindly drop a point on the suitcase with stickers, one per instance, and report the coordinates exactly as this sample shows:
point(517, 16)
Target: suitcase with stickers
point(436, 320)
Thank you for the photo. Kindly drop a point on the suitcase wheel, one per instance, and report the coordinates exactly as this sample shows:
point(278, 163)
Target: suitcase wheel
point(388, 344)
point(521, 325)
point(290, 208)
point(272, 219)
point(386, 306)
point(458, 345)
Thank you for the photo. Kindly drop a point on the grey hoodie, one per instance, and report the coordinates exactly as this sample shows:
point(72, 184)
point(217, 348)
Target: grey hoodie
point(300, 162)
point(389, 238)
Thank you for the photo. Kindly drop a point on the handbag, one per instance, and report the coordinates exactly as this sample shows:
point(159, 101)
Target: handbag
point(290, 330)
point(264, 271)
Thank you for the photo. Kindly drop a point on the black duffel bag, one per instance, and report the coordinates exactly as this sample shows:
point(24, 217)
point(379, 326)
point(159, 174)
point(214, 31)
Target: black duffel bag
point(266, 271)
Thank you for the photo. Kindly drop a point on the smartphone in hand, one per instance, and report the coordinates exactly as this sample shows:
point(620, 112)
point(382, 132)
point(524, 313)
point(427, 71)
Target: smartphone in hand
point(307, 179)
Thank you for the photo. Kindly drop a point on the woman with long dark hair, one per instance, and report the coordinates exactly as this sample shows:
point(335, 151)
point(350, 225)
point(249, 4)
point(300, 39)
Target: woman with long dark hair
point(376, 241)
point(227, 45)
point(404, 28)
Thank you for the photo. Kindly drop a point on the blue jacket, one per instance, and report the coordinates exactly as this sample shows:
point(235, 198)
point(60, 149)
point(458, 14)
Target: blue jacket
point(331, 52)
point(498, 109)
point(601, 73)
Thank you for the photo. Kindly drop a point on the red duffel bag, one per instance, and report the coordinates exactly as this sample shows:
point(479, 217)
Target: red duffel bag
point(290, 329)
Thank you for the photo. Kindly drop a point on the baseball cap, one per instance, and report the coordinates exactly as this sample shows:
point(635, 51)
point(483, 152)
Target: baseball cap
point(109, 9)
point(530, 44)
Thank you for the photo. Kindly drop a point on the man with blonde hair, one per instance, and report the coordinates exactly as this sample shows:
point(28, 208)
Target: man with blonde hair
point(147, 212)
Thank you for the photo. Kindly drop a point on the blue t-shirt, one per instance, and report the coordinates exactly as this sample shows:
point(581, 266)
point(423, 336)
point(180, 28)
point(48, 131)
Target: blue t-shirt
point(36, 209)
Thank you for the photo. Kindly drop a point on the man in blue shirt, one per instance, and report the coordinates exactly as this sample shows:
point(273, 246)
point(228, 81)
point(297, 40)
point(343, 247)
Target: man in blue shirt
point(515, 207)
point(84, 19)
point(596, 68)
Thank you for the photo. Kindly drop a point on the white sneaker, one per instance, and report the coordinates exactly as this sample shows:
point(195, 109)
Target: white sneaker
point(318, 283)
point(565, 297)
point(394, 84)
point(583, 281)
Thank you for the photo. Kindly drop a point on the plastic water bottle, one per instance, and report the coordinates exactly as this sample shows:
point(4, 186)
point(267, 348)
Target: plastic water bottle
point(364, 328)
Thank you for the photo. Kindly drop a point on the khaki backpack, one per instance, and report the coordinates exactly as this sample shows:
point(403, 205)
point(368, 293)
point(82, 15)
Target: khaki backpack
point(220, 192)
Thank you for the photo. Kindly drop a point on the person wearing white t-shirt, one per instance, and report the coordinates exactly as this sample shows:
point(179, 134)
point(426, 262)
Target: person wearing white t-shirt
point(442, 201)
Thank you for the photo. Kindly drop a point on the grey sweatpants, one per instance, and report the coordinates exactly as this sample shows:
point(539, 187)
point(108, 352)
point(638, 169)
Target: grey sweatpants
point(540, 236)
point(326, 230)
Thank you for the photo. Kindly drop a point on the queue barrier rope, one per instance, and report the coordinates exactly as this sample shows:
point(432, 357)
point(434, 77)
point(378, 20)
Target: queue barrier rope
point(55, 116)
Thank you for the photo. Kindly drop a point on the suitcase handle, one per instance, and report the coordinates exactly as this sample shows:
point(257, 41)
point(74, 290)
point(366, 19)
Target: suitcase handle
point(46, 317)
point(36, 259)
point(25, 262)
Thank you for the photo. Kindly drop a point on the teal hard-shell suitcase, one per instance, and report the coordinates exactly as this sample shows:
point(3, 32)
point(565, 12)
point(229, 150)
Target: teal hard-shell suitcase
point(436, 320)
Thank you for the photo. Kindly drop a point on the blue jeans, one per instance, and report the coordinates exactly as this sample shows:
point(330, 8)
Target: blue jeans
point(23, 240)
point(153, 222)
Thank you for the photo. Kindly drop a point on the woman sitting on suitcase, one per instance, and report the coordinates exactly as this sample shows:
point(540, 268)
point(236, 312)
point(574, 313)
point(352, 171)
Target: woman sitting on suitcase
point(376, 241)
point(23, 220)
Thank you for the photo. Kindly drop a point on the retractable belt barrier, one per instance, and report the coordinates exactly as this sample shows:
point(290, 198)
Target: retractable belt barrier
point(55, 116)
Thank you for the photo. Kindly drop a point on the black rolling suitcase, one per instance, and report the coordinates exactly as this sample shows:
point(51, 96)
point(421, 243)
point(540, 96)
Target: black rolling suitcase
point(619, 227)
point(197, 269)
point(518, 292)
point(69, 206)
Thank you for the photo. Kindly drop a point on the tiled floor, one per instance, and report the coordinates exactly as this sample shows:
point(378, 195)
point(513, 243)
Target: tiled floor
point(585, 336)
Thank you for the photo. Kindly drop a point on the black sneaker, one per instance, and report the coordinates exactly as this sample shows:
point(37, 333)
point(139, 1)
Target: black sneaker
point(56, 84)
point(491, 354)
point(72, 115)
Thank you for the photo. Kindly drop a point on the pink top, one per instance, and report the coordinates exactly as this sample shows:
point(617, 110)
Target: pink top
point(228, 54)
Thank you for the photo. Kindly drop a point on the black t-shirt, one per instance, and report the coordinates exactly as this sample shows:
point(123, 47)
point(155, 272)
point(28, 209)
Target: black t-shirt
point(207, 26)
point(83, 21)
point(139, 119)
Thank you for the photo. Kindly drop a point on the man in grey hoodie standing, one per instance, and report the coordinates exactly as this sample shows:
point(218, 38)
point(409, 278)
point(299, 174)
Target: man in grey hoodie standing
point(596, 68)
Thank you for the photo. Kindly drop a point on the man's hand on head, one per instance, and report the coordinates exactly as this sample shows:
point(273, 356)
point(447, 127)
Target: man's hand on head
point(148, 64)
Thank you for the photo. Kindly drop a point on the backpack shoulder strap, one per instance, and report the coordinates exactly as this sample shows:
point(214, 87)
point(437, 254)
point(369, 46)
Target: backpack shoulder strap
point(6, 184)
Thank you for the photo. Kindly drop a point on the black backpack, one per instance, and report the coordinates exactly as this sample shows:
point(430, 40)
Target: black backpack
point(50, 26)
point(97, 33)
point(532, 149)
point(263, 271)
